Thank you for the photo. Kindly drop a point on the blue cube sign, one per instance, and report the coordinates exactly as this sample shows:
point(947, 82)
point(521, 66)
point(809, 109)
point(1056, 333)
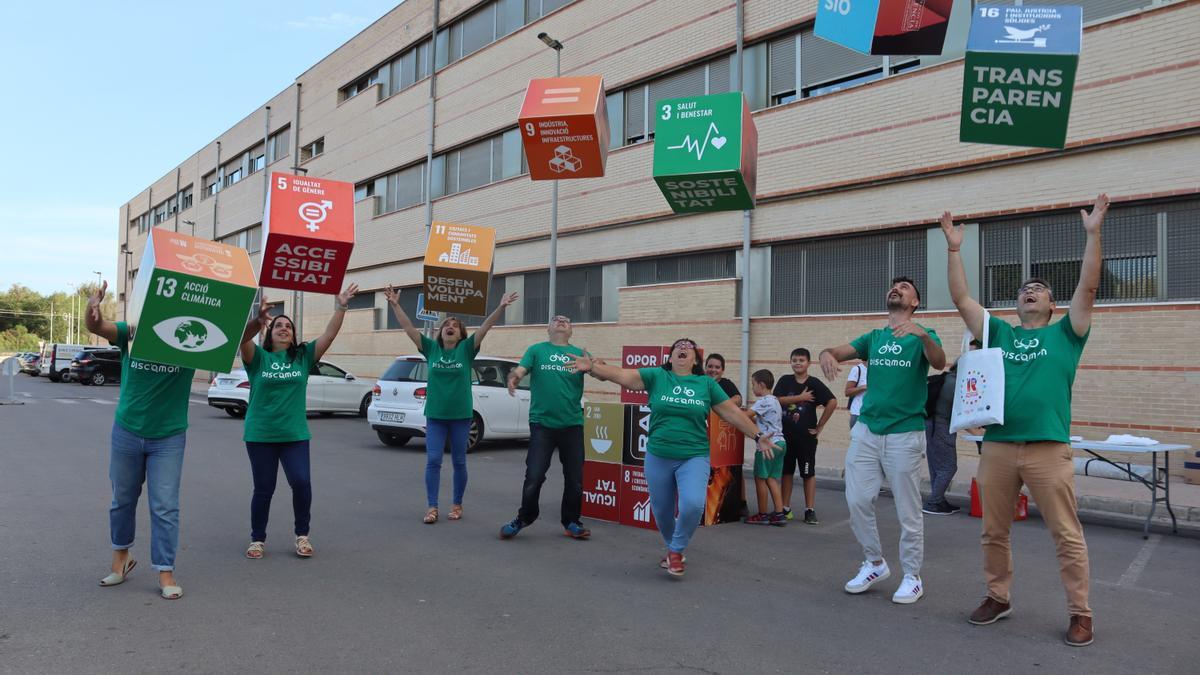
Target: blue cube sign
point(898, 27)
point(850, 23)
point(1026, 30)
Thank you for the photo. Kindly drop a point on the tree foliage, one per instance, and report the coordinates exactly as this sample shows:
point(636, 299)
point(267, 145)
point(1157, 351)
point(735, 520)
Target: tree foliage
point(28, 317)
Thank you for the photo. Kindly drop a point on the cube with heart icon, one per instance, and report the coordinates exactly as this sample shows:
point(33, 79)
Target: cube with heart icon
point(308, 233)
point(706, 153)
point(190, 301)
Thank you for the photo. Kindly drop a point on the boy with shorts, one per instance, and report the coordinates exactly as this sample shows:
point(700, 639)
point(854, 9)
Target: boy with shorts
point(800, 395)
point(767, 412)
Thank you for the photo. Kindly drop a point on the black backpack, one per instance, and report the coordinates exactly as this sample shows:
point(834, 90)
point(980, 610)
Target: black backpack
point(933, 393)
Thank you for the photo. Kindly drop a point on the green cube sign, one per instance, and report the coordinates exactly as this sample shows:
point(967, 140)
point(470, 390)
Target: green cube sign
point(706, 153)
point(1019, 75)
point(190, 302)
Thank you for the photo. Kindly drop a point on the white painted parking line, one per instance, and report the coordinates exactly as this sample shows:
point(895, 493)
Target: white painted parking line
point(67, 401)
point(103, 401)
point(1130, 577)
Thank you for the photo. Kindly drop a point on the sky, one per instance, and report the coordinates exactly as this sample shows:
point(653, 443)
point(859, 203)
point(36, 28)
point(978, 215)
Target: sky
point(101, 98)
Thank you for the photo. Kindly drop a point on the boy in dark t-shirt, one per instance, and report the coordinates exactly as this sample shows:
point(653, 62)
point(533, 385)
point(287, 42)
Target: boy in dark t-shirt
point(801, 395)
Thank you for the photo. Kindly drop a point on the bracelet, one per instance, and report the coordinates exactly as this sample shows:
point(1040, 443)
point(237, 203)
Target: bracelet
point(951, 250)
point(342, 307)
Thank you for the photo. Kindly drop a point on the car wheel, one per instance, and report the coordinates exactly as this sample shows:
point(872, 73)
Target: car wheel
point(393, 439)
point(362, 407)
point(98, 379)
point(238, 413)
point(475, 434)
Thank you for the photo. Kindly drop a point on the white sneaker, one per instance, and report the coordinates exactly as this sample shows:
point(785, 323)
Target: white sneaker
point(868, 575)
point(911, 589)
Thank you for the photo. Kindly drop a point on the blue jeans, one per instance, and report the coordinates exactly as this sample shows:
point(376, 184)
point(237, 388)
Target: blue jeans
point(265, 459)
point(436, 433)
point(672, 483)
point(942, 457)
point(159, 463)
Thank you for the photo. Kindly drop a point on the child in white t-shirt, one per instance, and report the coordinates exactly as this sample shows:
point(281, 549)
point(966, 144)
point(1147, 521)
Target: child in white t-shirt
point(768, 471)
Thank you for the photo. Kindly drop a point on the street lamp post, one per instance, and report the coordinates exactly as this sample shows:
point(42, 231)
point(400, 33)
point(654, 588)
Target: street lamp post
point(553, 292)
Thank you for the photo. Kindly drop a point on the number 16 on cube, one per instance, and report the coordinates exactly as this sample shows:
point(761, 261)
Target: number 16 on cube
point(308, 233)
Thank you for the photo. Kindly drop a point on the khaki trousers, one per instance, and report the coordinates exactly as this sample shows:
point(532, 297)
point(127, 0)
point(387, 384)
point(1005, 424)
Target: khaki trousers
point(1049, 471)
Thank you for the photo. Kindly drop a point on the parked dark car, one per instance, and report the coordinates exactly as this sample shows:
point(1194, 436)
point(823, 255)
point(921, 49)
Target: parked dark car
point(97, 367)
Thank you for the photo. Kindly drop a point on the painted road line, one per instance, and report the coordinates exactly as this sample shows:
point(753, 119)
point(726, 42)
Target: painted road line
point(1130, 577)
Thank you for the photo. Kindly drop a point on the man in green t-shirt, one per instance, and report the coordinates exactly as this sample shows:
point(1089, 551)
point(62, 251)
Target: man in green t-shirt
point(889, 438)
point(1032, 446)
point(148, 438)
point(555, 421)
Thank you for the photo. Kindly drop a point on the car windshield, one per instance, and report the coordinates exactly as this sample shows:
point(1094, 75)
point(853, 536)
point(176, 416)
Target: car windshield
point(405, 371)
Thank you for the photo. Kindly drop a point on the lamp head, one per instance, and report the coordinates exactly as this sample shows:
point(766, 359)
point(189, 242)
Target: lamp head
point(550, 42)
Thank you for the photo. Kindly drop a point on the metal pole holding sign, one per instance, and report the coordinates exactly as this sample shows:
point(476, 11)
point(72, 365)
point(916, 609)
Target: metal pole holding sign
point(9, 368)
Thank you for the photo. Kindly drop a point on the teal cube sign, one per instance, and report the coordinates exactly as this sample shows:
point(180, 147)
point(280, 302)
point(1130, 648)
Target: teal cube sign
point(190, 302)
point(706, 153)
point(1019, 75)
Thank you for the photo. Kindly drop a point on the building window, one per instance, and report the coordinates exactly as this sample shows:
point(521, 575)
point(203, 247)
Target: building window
point(848, 275)
point(408, 302)
point(142, 223)
point(249, 239)
point(256, 159)
point(394, 191)
point(185, 198)
point(362, 301)
point(311, 150)
point(490, 22)
point(694, 267)
point(579, 295)
point(359, 86)
point(482, 162)
point(277, 145)
point(233, 174)
point(1150, 253)
point(211, 185)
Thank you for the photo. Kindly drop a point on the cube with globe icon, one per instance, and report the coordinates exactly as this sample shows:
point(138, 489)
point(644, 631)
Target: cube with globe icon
point(190, 302)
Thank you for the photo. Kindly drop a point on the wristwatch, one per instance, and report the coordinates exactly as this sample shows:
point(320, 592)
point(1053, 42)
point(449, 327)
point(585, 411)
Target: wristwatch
point(757, 436)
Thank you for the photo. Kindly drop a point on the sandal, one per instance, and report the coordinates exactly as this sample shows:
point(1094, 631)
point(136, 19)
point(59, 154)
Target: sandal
point(171, 592)
point(255, 550)
point(431, 516)
point(455, 512)
point(304, 547)
point(116, 578)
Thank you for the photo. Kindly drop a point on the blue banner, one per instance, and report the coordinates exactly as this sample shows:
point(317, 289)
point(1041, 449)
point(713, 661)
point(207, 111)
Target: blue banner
point(1026, 30)
point(850, 23)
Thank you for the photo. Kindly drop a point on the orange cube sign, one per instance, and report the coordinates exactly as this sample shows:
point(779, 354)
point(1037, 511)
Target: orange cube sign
point(308, 233)
point(458, 266)
point(564, 127)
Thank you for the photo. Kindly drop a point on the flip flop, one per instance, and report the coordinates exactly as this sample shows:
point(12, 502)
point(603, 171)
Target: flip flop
point(117, 578)
point(171, 592)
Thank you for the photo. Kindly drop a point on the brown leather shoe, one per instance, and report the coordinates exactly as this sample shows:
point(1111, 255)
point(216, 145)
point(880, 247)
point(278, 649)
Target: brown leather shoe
point(989, 612)
point(1080, 632)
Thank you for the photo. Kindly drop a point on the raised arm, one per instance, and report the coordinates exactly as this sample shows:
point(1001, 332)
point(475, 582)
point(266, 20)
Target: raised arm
point(508, 299)
point(729, 412)
point(393, 300)
point(335, 321)
point(630, 379)
point(972, 312)
point(1089, 273)
point(253, 327)
point(831, 357)
point(514, 376)
point(96, 323)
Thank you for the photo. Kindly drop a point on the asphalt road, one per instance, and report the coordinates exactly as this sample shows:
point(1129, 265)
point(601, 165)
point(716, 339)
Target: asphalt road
point(385, 593)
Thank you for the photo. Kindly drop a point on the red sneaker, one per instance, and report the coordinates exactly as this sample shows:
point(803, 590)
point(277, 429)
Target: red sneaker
point(674, 564)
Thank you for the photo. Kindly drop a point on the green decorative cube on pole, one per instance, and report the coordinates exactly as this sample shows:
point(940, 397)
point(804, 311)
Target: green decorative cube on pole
point(706, 153)
point(1019, 75)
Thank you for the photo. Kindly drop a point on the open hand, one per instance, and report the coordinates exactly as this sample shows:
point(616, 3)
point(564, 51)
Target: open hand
point(1092, 221)
point(391, 295)
point(508, 299)
point(580, 364)
point(907, 328)
point(954, 233)
point(767, 447)
point(343, 298)
point(829, 365)
point(95, 299)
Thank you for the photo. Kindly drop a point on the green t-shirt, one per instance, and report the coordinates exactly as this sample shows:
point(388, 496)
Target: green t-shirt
point(679, 409)
point(1039, 371)
point(895, 401)
point(555, 392)
point(154, 396)
point(449, 395)
point(278, 395)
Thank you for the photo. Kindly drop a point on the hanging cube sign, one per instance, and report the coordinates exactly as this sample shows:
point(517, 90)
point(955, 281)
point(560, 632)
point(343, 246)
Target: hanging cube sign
point(885, 27)
point(706, 153)
point(458, 266)
point(564, 127)
point(1019, 75)
point(308, 233)
point(190, 302)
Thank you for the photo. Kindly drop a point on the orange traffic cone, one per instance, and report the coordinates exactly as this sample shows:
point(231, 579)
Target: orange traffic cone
point(976, 505)
point(1022, 510)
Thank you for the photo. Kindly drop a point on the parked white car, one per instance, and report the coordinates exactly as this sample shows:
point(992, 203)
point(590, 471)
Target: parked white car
point(330, 390)
point(397, 411)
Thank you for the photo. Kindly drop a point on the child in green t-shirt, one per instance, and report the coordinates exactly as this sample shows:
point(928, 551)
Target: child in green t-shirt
point(768, 471)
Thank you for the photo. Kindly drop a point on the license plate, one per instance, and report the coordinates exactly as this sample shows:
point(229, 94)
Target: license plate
point(226, 381)
point(391, 417)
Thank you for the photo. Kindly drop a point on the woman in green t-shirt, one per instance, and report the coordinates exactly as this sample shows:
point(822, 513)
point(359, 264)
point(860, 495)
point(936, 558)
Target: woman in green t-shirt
point(449, 405)
point(276, 430)
point(677, 467)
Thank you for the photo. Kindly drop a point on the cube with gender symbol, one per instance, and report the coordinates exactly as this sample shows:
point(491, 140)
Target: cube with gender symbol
point(308, 233)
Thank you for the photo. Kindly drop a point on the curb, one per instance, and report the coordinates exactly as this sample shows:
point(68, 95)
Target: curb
point(1109, 511)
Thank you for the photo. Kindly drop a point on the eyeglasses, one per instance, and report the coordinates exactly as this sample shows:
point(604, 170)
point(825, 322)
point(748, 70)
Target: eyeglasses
point(686, 344)
point(1032, 288)
point(560, 319)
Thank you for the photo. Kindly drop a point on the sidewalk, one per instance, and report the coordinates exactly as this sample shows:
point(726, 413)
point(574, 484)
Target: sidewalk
point(1101, 500)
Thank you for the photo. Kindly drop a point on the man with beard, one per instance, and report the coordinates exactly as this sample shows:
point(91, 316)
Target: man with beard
point(1032, 446)
point(555, 421)
point(889, 439)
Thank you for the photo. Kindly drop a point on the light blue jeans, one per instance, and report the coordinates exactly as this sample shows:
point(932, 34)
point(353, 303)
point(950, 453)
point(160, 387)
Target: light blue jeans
point(159, 463)
point(682, 482)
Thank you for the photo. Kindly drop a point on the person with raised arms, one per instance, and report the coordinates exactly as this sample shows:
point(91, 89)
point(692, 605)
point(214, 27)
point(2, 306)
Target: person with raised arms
point(448, 402)
point(889, 439)
point(276, 430)
point(555, 421)
point(677, 449)
point(148, 436)
point(1032, 446)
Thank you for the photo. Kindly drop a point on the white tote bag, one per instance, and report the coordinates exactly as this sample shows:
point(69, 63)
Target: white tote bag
point(979, 389)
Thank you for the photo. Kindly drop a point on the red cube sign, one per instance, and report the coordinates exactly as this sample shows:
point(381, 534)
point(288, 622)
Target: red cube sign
point(564, 127)
point(308, 233)
point(641, 357)
point(726, 445)
point(601, 491)
point(634, 501)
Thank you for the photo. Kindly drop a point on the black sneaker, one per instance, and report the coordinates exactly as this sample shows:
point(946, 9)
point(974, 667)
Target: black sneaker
point(511, 528)
point(810, 517)
point(938, 509)
point(952, 508)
